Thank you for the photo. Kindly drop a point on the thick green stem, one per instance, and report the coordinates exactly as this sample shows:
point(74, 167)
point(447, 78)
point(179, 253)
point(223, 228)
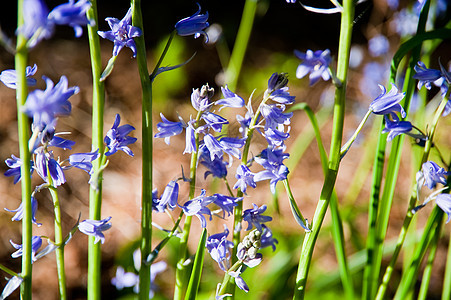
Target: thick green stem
point(23, 125)
point(347, 19)
point(95, 192)
point(147, 145)
point(241, 42)
point(59, 240)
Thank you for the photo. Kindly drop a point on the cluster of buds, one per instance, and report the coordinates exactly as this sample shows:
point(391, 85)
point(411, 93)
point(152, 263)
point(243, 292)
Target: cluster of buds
point(247, 250)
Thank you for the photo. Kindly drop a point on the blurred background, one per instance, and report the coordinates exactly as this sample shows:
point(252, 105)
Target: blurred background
point(279, 29)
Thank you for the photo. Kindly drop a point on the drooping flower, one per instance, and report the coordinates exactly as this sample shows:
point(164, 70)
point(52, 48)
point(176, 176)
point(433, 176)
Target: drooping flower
point(200, 99)
point(226, 203)
point(72, 14)
point(267, 238)
point(36, 242)
point(198, 207)
point(121, 33)
point(431, 174)
point(48, 168)
point(272, 160)
point(277, 89)
point(230, 145)
point(444, 202)
point(214, 121)
point(274, 116)
point(193, 25)
point(378, 45)
point(19, 211)
point(170, 195)
point(95, 228)
point(117, 137)
point(245, 178)
point(254, 217)
point(83, 161)
point(14, 163)
point(9, 77)
point(395, 128)
point(230, 99)
point(36, 25)
point(168, 128)
point(316, 63)
point(425, 76)
point(216, 167)
point(388, 103)
point(45, 106)
point(190, 139)
point(219, 248)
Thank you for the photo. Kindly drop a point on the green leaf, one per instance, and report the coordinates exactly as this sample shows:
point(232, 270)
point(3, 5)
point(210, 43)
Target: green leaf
point(193, 285)
point(108, 69)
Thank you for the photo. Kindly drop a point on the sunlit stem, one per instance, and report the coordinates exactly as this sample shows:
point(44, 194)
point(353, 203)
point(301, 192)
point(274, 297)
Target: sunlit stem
point(351, 140)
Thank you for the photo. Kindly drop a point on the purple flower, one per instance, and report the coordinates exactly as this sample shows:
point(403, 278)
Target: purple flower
point(219, 248)
point(239, 280)
point(9, 77)
point(444, 202)
point(121, 33)
point(95, 228)
point(425, 76)
point(388, 103)
point(124, 279)
point(190, 138)
point(117, 137)
point(170, 195)
point(36, 24)
point(72, 14)
point(193, 25)
point(316, 63)
point(230, 145)
point(14, 163)
point(213, 146)
point(245, 178)
point(46, 165)
point(198, 207)
point(36, 242)
point(431, 174)
point(216, 167)
point(272, 160)
point(274, 116)
point(19, 211)
point(168, 128)
point(230, 99)
point(276, 137)
point(277, 89)
point(45, 106)
point(83, 161)
point(200, 99)
point(267, 239)
point(395, 128)
point(226, 203)
point(378, 45)
point(214, 121)
point(254, 217)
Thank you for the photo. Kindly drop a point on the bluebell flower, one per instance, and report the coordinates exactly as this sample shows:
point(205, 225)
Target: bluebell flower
point(425, 76)
point(274, 116)
point(9, 77)
point(72, 14)
point(19, 211)
point(405, 22)
point(216, 167)
point(219, 248)
point(156, 202)
point(83, 161)
point(170, 195)
point(230, 145)
point(213, 146)
point(230, 99)
point(395, 128)
point(378, 45)
point(244, 122)
point(388, 103)
point(45, 106)
point(121, 33)
point(239, 281)
point(276, 137)
point(277, 81)
point(46, 166)
point(168, 128)
point(14, 163)
point(245, 178)
point(254, 217)
point(48, 137)
point(267, 238)
point(316, 63)
point(36, 25)
point(190, 138)
point(95, 228)
point(444, 202)
point(272, 160)
point(193, 25)
point(431, 174)
point(124, 279)
point(198, 207)
point(282, 96)
point(36, 242)
point(226, 203)
point(214, 121)
point(200, 99)
point(117, 137)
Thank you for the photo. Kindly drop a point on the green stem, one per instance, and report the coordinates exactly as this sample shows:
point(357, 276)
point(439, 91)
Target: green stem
point(21, 59)
point(347, 19)
point(348, 144)
point(8, 270)
point(95, 191)
point(59, 240)
point(163, 54)
point(241, 42)
point(147, 145)
point(446, 292)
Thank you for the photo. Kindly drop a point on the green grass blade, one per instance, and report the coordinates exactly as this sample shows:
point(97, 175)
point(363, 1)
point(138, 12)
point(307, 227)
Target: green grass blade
point(193, 285)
